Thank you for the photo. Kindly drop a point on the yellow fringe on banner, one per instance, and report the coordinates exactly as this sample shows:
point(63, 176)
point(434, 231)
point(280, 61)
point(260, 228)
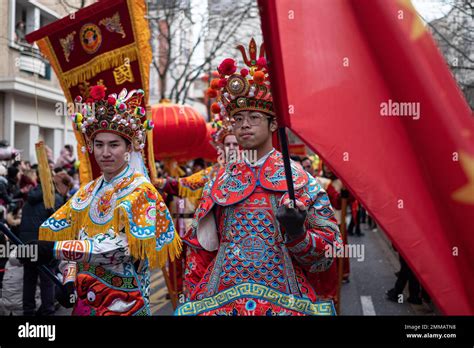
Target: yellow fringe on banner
point(101, 63)
point(142, 35)
point(45, 175)
point(88, 70)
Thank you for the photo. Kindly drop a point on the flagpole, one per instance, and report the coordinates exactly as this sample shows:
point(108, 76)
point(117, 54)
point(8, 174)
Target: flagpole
point(340, 260)
point(270, 28)
point(286, 162)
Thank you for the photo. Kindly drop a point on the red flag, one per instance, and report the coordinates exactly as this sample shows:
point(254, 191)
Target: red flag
point(339, 68)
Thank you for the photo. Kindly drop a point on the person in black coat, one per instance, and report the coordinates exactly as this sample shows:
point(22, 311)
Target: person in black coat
point(3, 243)
point(34, 214)
point(13, 178)
point(5, 197)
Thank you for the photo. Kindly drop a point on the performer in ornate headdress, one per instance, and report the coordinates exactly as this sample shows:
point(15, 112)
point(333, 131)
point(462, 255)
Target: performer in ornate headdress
point(115, 227)
point(189, 190)
point(265, 248)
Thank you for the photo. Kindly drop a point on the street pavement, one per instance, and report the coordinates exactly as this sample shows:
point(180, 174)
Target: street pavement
point(372, 277)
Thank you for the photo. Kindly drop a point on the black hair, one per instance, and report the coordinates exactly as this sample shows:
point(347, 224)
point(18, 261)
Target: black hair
point(12, 172)
point(199, 162)
point(14, 208)
point(71, 172)
point(127, 142)
point(296, 158)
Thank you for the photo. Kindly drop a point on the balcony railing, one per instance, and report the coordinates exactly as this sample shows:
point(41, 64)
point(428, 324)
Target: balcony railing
point(31, 60)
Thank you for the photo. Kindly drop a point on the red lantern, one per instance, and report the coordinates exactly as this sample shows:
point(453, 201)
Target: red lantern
point(178, 130)
point(205, 151)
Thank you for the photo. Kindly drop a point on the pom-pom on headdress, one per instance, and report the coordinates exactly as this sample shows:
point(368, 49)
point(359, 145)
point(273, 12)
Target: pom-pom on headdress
point(248, 89)
point(120, 114)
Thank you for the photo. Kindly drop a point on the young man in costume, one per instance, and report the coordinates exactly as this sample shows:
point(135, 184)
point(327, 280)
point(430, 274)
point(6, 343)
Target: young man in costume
point(249, 253)
point(115, 227)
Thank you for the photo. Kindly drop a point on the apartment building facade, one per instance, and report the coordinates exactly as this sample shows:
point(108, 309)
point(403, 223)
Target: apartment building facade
point(32, 104)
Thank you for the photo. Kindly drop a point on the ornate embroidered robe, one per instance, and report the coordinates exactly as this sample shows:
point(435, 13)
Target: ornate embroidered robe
point(110, 234)
point(239, 261)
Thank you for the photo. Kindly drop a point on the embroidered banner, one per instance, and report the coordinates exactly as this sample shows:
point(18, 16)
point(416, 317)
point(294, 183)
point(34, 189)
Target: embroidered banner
point(105, 43)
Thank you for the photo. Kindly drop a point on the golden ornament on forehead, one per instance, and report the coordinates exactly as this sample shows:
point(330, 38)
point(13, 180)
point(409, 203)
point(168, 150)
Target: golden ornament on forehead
point(237, 85)
point(241, 102)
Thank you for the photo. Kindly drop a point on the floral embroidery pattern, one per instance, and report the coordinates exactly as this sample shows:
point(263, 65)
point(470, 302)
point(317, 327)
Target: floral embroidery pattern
point(113, 24)
point(68, 45)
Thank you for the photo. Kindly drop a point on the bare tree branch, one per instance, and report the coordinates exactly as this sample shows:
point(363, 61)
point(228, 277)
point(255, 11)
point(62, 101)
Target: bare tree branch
point(448, 42)
point(173, 23)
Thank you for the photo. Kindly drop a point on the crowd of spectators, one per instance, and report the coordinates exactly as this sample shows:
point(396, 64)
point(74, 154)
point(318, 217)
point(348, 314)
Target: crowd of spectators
point(22, 209)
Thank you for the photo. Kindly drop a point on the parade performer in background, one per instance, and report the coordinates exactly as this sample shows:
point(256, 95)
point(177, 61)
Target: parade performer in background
point(115, 227)
point(189, 189)
point(328, 282)
point(192, 186)
point(336, 190)
point(263, 247)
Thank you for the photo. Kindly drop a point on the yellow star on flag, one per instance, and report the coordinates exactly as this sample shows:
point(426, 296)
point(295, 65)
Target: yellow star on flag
point(417, 28)
point(465, 194)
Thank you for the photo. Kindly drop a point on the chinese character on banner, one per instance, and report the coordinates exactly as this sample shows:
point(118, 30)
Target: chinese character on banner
point(123, 73)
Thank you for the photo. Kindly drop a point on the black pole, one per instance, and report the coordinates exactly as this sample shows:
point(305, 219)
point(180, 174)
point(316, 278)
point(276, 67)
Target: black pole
point(286, 162)
point(6, 231)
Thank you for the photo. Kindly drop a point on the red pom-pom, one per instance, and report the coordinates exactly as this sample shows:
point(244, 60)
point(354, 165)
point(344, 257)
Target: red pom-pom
point(121, 107)
point(215, 108)
point(211, 93)
point(244, 72)
point(78, 99)
point(215, 74)
point(111, 100)
point(259, 77)
point(98, 92)
point(89, 100)
point(227, 67)
point(215, 84)
point(261, 62)
point(222, 83)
